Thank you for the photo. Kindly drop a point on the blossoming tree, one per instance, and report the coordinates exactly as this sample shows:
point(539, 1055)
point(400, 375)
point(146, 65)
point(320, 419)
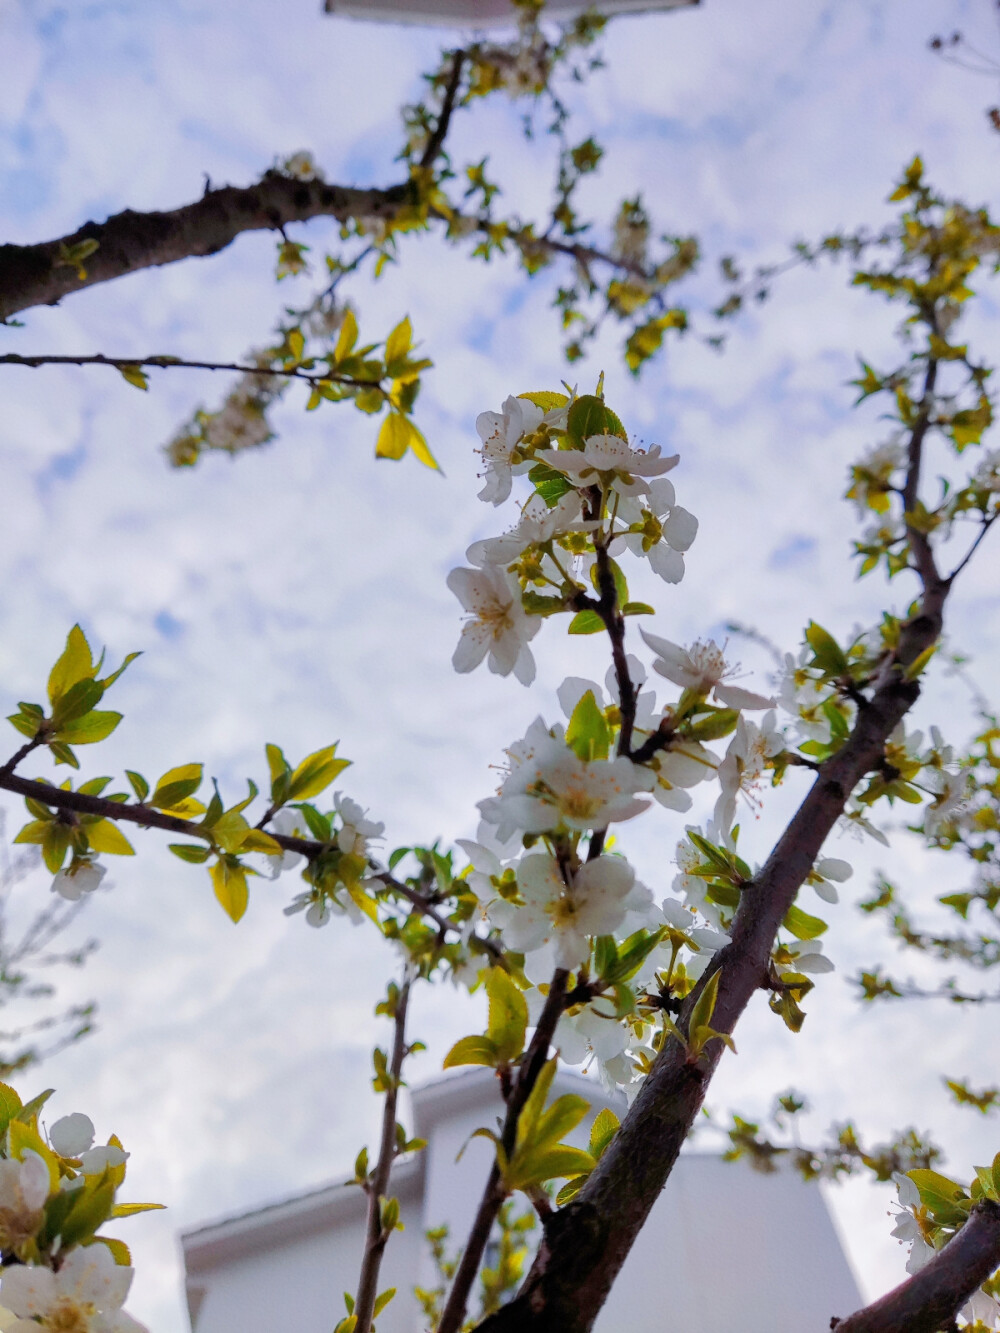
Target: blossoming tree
point(543, 911)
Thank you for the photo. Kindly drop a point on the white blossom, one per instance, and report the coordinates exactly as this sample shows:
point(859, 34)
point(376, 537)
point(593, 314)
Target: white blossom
point(501, 433)
point(24, 1188)
point(551, 787)
point(801, 956)
point(703, 669)
point(287, 823)
point(72, 1134)
point(85, 1296)
point(355, 831)
point(745, 763)
point(987, 475)
point(82, 876)
point(827, 871)
point(563, 914)
point(94, 1161)
point(659, 530)
point(538, 524)
point(951, 792)
point(610, 462)
point(497, 624)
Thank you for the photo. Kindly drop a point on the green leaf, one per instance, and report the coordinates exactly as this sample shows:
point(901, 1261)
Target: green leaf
point(621, 587)
point(10, 1104)
point(93, 726)
point(319, 825)
point(588, 734)
point(701, 1014)
point(91, 1208)
point(537, 1167)
point(315, 773)
point(508, 1015)
point(588, 416)
point(549, 484)
point(638, 609)
point(74, 664)
point(802, 925)
point(139, 785)
point(193, 852)
point(176, 785)
point(714, 726)
point(586, 622)
point(828, 656)
point(55, 847)
point(471, 1051)
point(382, 1300)
point(602, 1131)
point(77, 700)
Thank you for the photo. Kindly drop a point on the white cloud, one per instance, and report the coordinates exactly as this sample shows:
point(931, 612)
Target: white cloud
point(298, 595)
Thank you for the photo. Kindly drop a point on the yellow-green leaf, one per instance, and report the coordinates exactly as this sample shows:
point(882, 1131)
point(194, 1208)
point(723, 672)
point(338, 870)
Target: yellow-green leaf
point(230, 885)
point(348, 336)
point(471, 1051)
point(508, 1019)
point(175, 786)
point(75, 663)
point(315, 773)
point(399, 341)
point(130, 1209)
point(105, 836)
point(94, 726)
point(135, 375)
point(119, 1250)
point(393, 437)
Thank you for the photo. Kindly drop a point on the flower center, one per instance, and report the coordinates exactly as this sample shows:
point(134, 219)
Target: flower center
point(68, 1316)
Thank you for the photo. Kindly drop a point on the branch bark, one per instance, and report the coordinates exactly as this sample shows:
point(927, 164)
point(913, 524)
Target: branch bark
point(931, 1298)
point(453, 1315)
point(585, 1244)
point(376, 1236)
point(32, 275)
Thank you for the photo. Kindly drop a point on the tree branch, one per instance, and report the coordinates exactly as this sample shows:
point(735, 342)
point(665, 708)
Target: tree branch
point(453, 1315)
point(377, 1187)
point(933, 1296)
point(146, 817)
point(120, 363)
point(32, 275)
point(586, 1243)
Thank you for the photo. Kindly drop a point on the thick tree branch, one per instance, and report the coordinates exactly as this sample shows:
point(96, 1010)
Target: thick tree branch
point(377, 1186)
point(586, 1243)
point(931, 1298)
point(32, 275)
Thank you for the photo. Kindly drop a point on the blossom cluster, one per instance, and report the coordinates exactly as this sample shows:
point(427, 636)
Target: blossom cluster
point(56, 1190)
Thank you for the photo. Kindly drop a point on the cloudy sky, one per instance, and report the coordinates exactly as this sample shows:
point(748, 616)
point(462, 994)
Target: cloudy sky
point(298, 595)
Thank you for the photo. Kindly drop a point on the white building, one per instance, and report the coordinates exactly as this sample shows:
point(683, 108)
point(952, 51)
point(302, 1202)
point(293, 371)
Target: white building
point(481, 13)
point(724, 1248)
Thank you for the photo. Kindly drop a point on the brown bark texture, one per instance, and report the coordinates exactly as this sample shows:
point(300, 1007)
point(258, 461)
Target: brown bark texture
point(32, 275)
point(929, 1300)
point(585, 1244)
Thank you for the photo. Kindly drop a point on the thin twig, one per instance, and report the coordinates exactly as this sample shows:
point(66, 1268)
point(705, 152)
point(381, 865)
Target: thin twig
point(377, 1186)
point(161, 362)
point(494, 1194)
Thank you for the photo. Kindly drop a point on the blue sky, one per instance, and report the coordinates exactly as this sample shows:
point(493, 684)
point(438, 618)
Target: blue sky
point(298, 595)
